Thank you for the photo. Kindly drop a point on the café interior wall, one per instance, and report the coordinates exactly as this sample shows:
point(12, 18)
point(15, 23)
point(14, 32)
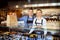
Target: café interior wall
point(50, 11)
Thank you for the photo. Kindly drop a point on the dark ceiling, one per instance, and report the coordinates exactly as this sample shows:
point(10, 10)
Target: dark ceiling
point(4, 3)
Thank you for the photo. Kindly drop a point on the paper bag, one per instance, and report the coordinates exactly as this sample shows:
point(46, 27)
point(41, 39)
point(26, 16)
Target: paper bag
point(12, 20)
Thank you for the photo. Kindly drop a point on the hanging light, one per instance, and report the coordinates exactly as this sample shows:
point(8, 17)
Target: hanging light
point(17, 6)
point(41, 5)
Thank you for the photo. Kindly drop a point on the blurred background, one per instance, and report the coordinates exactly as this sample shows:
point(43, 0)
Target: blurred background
point(50, 9)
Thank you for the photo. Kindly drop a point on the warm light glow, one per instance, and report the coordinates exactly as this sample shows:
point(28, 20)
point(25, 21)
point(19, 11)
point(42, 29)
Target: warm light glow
point(41, 5)
point(25, 5)
point(17, 6)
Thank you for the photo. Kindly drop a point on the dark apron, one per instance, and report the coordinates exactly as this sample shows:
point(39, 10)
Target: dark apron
point(39, 23)
point(30, 21)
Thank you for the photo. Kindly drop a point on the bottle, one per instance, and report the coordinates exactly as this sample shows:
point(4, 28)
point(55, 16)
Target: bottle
point(49, 38)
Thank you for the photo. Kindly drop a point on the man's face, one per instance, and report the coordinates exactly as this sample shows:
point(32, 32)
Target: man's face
point(30, 12)
point(38, 13)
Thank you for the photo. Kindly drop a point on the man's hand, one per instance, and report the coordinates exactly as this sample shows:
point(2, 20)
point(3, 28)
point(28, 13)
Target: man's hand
point(38, 26)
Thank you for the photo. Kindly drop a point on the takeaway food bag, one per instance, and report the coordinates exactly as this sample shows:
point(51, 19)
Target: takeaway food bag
point(12, 20)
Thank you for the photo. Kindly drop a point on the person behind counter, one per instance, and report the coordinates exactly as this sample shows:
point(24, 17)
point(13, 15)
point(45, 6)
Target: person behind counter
point(28, 20)
point(39, 22)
